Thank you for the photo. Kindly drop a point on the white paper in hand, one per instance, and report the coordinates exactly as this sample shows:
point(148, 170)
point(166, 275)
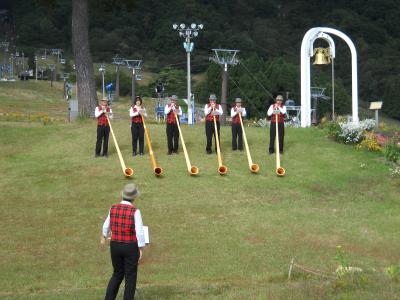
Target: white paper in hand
point(146, 234)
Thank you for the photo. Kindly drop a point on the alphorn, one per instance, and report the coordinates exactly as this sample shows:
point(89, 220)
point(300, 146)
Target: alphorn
point(193, 170)
point(222, 170)
point(254, 168)
point(280, 171)
point(128, 172)
point(157, 170)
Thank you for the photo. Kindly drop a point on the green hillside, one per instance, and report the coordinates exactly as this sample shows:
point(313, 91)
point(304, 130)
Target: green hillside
point(212, 236)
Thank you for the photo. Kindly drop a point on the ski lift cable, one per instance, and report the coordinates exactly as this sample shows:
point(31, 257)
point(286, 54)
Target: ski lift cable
point(256, 80)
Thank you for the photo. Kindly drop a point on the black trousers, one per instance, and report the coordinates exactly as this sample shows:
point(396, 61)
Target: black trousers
point(103, 133)
point(209, 134)
point(172, 137)
point(237, 136)
point(124, 257)
point(281, 135)
point(137, 131)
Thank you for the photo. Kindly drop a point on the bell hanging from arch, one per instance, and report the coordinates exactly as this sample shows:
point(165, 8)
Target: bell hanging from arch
point(322, 56)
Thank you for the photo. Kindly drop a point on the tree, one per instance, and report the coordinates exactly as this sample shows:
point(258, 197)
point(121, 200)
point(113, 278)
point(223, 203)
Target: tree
point(87, 97)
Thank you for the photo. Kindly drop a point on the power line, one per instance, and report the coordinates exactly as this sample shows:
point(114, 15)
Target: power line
point(256, 80)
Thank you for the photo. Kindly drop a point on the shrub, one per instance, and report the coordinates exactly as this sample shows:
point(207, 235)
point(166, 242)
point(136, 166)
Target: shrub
point(370, 142)
point(392, 150)
point(350, 133)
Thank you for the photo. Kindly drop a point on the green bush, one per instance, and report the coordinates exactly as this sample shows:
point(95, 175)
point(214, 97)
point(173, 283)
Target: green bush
point(392, 150)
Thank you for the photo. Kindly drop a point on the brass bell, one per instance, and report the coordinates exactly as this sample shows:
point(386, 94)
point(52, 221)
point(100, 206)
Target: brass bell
point(322, 56)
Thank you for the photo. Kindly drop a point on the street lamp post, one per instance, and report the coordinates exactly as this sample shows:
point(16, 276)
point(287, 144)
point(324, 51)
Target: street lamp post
point(188, 33)
point(102, 70)
point(36, 67)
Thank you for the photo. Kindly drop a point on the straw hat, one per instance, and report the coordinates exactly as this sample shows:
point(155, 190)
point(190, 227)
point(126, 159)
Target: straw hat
point(213, 97)
point(238, 100)
point(130, 192)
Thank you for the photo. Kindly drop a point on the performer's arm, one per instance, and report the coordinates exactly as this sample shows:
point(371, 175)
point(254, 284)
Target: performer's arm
point(110, 114)
point(244, 113)
point(132, 113)
point(167, 109)
point(207, 110)
point(106, 226)
point(282, 109)
point(233, 112)
point(270, 110)
point(219, 110)
point(139, 232)
point(97, 112)
point(179, 112)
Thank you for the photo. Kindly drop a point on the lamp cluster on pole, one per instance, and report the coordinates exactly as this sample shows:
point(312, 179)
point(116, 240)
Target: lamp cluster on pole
point(225, 57)
point(188, 32)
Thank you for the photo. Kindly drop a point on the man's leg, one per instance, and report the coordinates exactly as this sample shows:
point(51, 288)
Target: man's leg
point(118, 270)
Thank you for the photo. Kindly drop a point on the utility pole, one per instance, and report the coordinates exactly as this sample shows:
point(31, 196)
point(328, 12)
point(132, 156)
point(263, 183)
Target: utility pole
point(188, 33)
point(224, 57)
point(135, 65)
point(118, 62)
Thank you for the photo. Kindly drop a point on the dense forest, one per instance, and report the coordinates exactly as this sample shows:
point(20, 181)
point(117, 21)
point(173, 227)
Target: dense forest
point(268, 34)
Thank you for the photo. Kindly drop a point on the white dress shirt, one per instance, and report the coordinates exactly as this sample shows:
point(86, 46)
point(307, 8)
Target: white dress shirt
point(168, 108)
point(138, 226)
point(282, 109)
point(234, 113)
point(136, 113)
point(98, 112)
point(207, 110)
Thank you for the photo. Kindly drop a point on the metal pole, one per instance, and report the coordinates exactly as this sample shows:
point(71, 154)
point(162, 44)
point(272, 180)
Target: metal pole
point(117, 83)
point(51, 82)
point(36, 62)
point(333, 90)
point(133, 85)
point(102, 73)
point(377, 117)
point(189, 94)
point(224, 91)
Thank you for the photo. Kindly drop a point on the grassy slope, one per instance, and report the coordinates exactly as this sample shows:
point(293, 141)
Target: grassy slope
point(212, 237)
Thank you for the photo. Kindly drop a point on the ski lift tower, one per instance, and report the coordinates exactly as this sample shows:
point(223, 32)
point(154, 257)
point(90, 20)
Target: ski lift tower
point(224, 57)
point(135, 65)
point(118, 62)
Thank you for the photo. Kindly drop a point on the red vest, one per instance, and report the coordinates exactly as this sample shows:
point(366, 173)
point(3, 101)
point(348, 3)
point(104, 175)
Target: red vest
point(138, 118)
point(102, 120)
point(281, 118)
point(171, 116)
point(209, 117)
point(122, 223)
point(235, 119)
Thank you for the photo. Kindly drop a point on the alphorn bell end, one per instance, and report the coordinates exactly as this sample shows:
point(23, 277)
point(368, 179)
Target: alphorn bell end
point(280, 172)
point(254, 168)
point(222, 170)
point(194, 170)
point(158, 171)
point(128, 172)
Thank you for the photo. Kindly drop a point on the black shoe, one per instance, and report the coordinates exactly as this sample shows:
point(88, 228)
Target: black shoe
point(96, 155)
point(234, 149)
point(105, 155)
point(176, 151)
point(271, 152)
point(141, 154)
point(134, 153)
point(209, 151)
point(169, 153)
point(281, 152)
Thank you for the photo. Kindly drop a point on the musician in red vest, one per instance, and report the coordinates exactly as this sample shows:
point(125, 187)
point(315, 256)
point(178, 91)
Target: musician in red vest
point(127, 240)
point(210, 110)
point(277, 110)
point(136, 113)
point(172, 130)
point(237, 134)
point(103, 127)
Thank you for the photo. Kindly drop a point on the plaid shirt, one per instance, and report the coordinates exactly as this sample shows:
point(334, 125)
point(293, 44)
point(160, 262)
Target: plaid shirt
point(122, 223)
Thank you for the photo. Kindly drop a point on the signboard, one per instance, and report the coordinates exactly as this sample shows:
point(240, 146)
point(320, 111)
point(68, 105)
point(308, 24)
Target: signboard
point(375, 105)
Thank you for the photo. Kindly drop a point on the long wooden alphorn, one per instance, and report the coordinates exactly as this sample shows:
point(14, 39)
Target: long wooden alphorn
point(254, 168)
point(128, 172)
point(157, 170)
point(280, 171)
point(222, 170)
point(193, 170)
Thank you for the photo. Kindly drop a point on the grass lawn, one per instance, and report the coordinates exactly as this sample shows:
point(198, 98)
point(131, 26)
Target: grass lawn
point(212, 236)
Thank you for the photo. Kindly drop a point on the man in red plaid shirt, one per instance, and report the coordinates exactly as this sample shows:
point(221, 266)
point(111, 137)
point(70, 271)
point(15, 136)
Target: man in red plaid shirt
point(127, 240)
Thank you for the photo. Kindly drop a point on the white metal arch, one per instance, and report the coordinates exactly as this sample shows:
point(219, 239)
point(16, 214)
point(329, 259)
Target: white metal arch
point(307, 52)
